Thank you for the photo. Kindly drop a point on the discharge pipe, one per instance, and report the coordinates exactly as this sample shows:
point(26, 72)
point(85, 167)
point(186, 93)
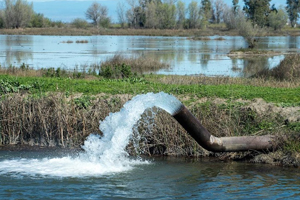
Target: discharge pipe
point(220, 144)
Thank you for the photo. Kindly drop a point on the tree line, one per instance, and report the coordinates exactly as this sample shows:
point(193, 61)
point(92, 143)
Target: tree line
point(172, 14)
point(162, 14)
point(20, 14)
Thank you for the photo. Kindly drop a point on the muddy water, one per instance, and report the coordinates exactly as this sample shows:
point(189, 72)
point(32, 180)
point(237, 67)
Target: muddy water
point(185, 56)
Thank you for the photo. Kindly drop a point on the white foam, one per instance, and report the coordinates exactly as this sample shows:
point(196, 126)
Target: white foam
point(102, 155)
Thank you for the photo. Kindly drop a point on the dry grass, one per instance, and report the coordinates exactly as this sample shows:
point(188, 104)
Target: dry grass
point(210, 30)
point(204, 80)
point(287, 70)
point(60, 121)
point(17, 71)
point(139, 64)
point(117, 31)
point(54, 120)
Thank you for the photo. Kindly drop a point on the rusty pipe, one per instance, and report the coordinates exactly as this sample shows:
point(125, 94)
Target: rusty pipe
point(223, 144)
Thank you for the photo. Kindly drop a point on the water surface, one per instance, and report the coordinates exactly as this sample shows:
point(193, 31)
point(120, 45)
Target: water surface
point(161, 178)
point(185, 56)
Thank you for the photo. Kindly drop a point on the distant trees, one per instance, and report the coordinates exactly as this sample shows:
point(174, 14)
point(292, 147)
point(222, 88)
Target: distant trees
point(277, 19)
point(293, 8)
point(1, 19)
point(38, 21)
point(17, 13)
point(172, 14)
point(205, 12)
point(20, 14)
point(193, 15)
point(98, 14)
point(257, 11)
point(121, 13)
point(181, 12)
point(218, 7)
point(162, 14)
point(80, 23)
point(235, 6)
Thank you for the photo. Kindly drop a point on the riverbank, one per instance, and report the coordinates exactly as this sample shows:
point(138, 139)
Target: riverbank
point(60, 112)
point(56, 123)
point(211, 30)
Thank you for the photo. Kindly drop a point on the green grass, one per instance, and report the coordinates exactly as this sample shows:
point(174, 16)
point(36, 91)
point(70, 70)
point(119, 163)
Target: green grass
point(285, 96)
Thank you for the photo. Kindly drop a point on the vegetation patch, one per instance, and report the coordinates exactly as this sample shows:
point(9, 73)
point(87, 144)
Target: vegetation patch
point(82, 41)
point(138, 65)
point(246, 52)
point(288, 69)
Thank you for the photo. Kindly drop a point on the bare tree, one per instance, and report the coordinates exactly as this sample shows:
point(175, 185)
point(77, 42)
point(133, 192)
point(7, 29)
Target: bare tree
point(231, 17)
point(93, 13)
point(17, 13)
point(9, 14)
point(121, 13)
point(98, 14)
point(180, 14)
point(23, 12)
point(248, 31)
point(218, 8)
point(132, 12)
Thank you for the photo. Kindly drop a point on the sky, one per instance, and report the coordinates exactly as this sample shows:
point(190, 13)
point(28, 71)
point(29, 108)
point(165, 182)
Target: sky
point(68, 10)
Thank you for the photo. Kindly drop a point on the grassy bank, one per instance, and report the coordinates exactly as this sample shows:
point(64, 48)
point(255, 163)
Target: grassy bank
point(58, 109)
point(62, 112)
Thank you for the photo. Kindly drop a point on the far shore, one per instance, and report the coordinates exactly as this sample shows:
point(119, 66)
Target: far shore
point(209, 31)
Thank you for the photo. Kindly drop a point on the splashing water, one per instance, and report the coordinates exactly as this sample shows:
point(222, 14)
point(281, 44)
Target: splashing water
point(102, 155)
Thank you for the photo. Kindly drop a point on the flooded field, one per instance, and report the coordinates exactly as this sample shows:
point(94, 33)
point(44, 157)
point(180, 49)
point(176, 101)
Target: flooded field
point(185, 56)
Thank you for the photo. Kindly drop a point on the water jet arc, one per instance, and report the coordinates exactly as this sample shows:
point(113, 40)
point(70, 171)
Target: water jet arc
point(220, 144)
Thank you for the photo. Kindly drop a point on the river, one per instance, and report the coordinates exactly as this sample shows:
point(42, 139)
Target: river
point(185, 56)
point(158, 178)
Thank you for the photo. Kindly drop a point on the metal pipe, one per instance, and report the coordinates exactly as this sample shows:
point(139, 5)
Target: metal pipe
point(223, 144)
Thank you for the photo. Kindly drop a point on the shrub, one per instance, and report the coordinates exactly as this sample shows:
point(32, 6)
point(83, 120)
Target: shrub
point(288, 69)
point(277, 20)
point(245, 27)
point(37, 20)
point(80, 23)
point(51, 72)
point(116, 71)
point(138, 65)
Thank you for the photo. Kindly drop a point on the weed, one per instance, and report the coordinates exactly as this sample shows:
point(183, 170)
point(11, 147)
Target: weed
point(83, 102)
point(116, 71)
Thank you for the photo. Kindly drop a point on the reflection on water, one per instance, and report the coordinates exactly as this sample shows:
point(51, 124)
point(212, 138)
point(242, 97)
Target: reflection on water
point(185, 56)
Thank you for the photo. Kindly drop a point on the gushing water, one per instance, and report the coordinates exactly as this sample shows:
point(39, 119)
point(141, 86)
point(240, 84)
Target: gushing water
point(102, 155)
